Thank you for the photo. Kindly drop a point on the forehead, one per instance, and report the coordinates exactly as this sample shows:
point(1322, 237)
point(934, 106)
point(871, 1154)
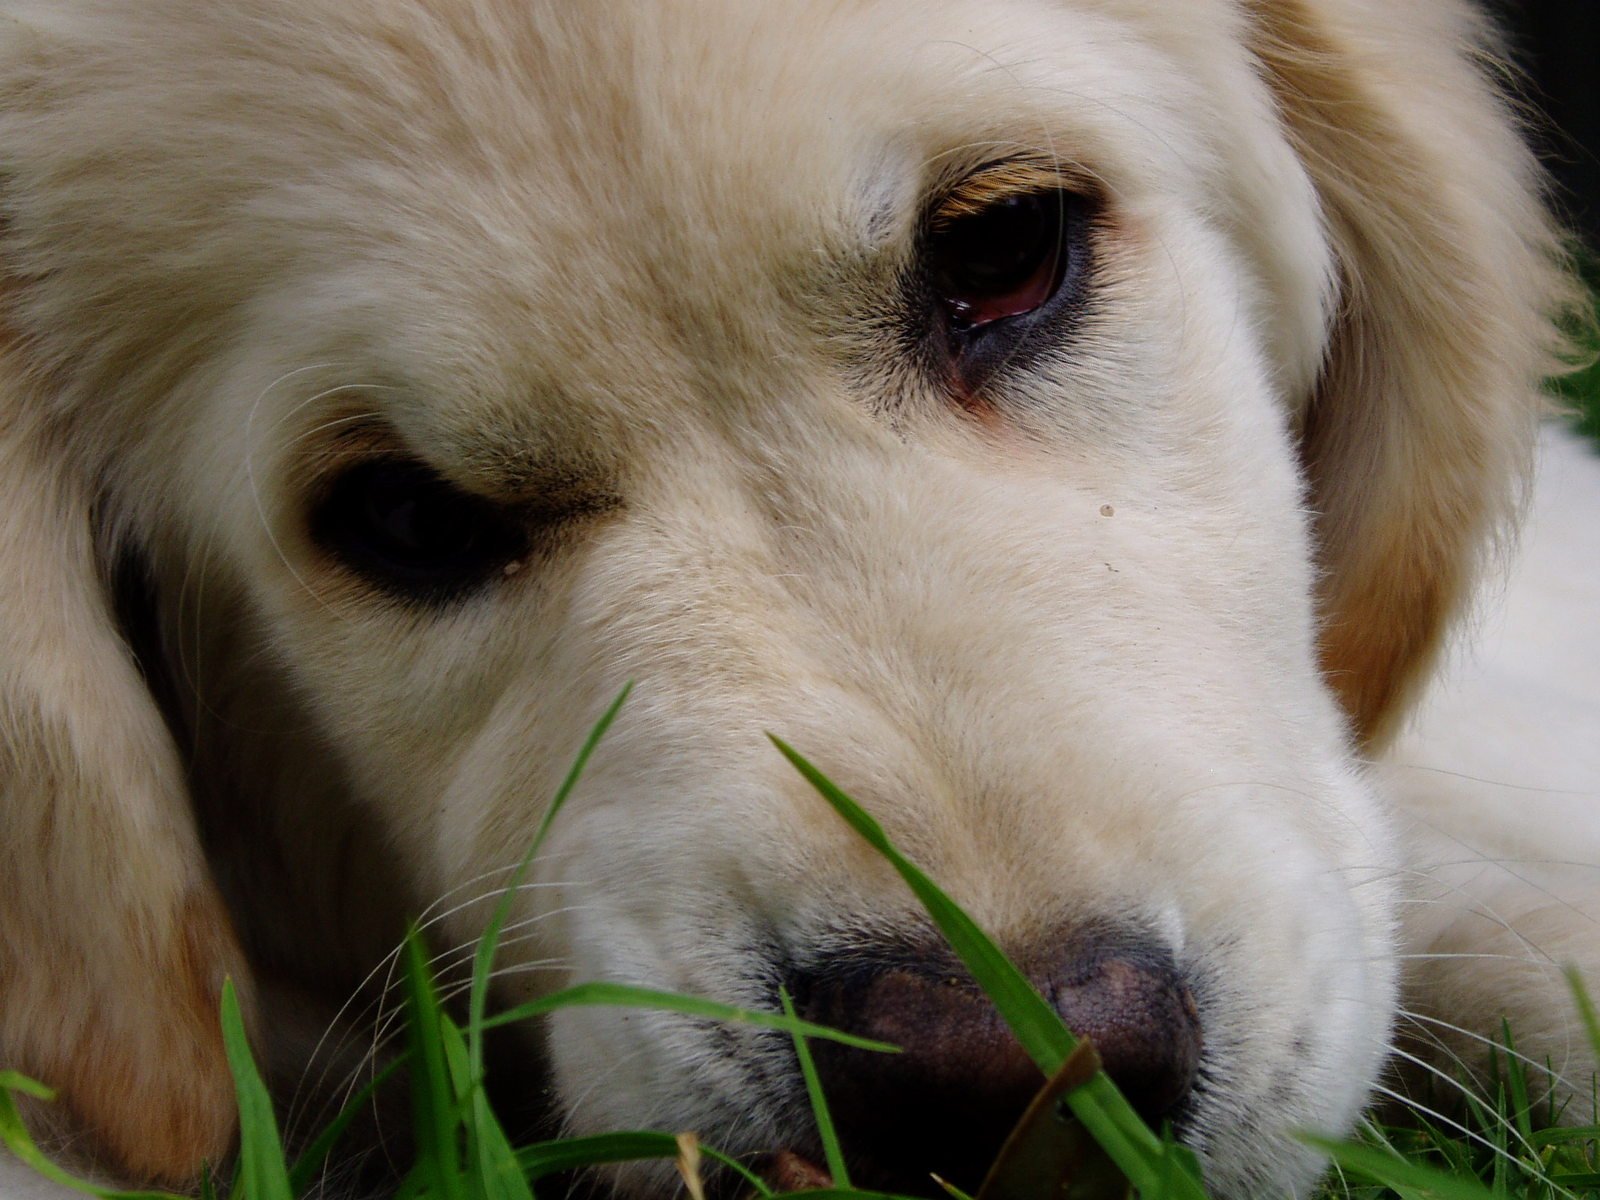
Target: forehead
point(742, 93)
point(607, 157)
point(524, 197)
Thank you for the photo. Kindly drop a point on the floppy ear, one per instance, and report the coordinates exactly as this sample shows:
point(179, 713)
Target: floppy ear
point(1419, 434)
point(113, 941)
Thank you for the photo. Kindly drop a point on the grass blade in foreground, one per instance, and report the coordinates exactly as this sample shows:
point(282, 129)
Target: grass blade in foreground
point(569, 1154)
point(1150, 1164)
point(312, 1158)
point(1585, 1003)
point(845, 1194)
point(623, 995)
point(435, 1113)
point(1406, 1178)
point(14, 1137)
point(493, 1172)
point(486, 1142)
point(262, 1173)
point(483, 960)
point(819, 1103)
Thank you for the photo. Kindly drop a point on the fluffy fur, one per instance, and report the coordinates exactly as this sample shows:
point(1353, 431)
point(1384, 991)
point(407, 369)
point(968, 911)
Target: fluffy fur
point(1112, 645)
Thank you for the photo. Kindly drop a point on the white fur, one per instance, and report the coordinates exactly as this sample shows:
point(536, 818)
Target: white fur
point(1499, 782)
point(1085, 659)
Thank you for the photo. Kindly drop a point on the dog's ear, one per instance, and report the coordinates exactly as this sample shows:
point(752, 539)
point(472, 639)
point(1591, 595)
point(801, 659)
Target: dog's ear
point(1419, 435)
point(113, 941)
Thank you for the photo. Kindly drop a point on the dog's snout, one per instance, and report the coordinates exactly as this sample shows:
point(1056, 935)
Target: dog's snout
point(945, 1103)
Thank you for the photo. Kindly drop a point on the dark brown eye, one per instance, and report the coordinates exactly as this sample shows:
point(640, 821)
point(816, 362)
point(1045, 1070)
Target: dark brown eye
point(1004, 260)
point(414, 533)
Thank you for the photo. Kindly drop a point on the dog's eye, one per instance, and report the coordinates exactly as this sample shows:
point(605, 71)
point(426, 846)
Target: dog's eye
point(1002, 260)
point(413, 533)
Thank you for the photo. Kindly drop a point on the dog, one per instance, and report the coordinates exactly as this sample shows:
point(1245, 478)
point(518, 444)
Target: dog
point(1077, 427)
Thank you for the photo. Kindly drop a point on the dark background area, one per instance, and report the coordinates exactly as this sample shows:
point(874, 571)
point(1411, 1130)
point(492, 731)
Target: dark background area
point(1558, 43)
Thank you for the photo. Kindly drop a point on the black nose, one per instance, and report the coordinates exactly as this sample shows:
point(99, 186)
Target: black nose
point(946, 1102)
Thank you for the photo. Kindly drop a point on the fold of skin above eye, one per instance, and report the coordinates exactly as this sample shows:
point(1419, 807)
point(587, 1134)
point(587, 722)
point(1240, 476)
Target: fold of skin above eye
point(989, 184)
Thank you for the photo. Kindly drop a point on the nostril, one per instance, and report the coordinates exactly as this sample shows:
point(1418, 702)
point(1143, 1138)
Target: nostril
point(1131, 1001)
point(944, 1103)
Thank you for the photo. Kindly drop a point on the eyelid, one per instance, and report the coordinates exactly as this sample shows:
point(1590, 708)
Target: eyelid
point(981, 189)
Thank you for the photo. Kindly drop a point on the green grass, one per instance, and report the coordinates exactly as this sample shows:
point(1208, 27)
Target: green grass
point(1507, 1146)
point(1579, 390)
point(1509, 1142)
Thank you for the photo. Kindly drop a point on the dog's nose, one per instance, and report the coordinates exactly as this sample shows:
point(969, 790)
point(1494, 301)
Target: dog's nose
point(945, 1103)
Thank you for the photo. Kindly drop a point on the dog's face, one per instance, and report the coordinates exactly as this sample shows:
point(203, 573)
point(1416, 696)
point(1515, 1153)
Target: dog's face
point(929, 384)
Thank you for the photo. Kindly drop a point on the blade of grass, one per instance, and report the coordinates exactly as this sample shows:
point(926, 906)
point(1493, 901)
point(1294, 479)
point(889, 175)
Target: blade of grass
point(1564, 1134)
point(1586, 1009)
point(415, 1185)
point(487, 1145)
point(1515, 1075)
point(819, 1103)
point(11, 1081)
point(15, 1137)
point(498, 1172)
point(622, 995)
point(483, 959)
point(306, 1166)
point(434, 1109)
point(570, 1154)
point(1035, 1024)
point(1102, 1109)
point(493, 1172)
point(263, 1172)
point(1406, 1178)
point(1178, 1173)
point(688, 1166)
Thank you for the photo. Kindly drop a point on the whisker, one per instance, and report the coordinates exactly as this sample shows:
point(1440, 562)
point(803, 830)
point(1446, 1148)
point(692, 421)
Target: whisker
point(1475, 955)
point(1506, 865)
point(1464, 1131)
point(454, 990)
point(389, 962)
point(253, 486)
point(521, 929)
point(1491, 1043)
point(1444, 1077)
point(1500, 784)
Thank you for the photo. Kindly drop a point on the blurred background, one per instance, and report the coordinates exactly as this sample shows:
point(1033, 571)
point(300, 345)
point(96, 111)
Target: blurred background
point(1558, 43)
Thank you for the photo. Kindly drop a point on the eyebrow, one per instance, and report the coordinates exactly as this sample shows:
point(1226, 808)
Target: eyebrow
point(496, 469)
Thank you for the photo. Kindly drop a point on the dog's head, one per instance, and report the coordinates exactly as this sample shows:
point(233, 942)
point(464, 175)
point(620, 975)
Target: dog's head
point(1070, 424)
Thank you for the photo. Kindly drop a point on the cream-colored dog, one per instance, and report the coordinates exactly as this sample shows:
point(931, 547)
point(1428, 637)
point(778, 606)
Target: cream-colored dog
point(1074, 425)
